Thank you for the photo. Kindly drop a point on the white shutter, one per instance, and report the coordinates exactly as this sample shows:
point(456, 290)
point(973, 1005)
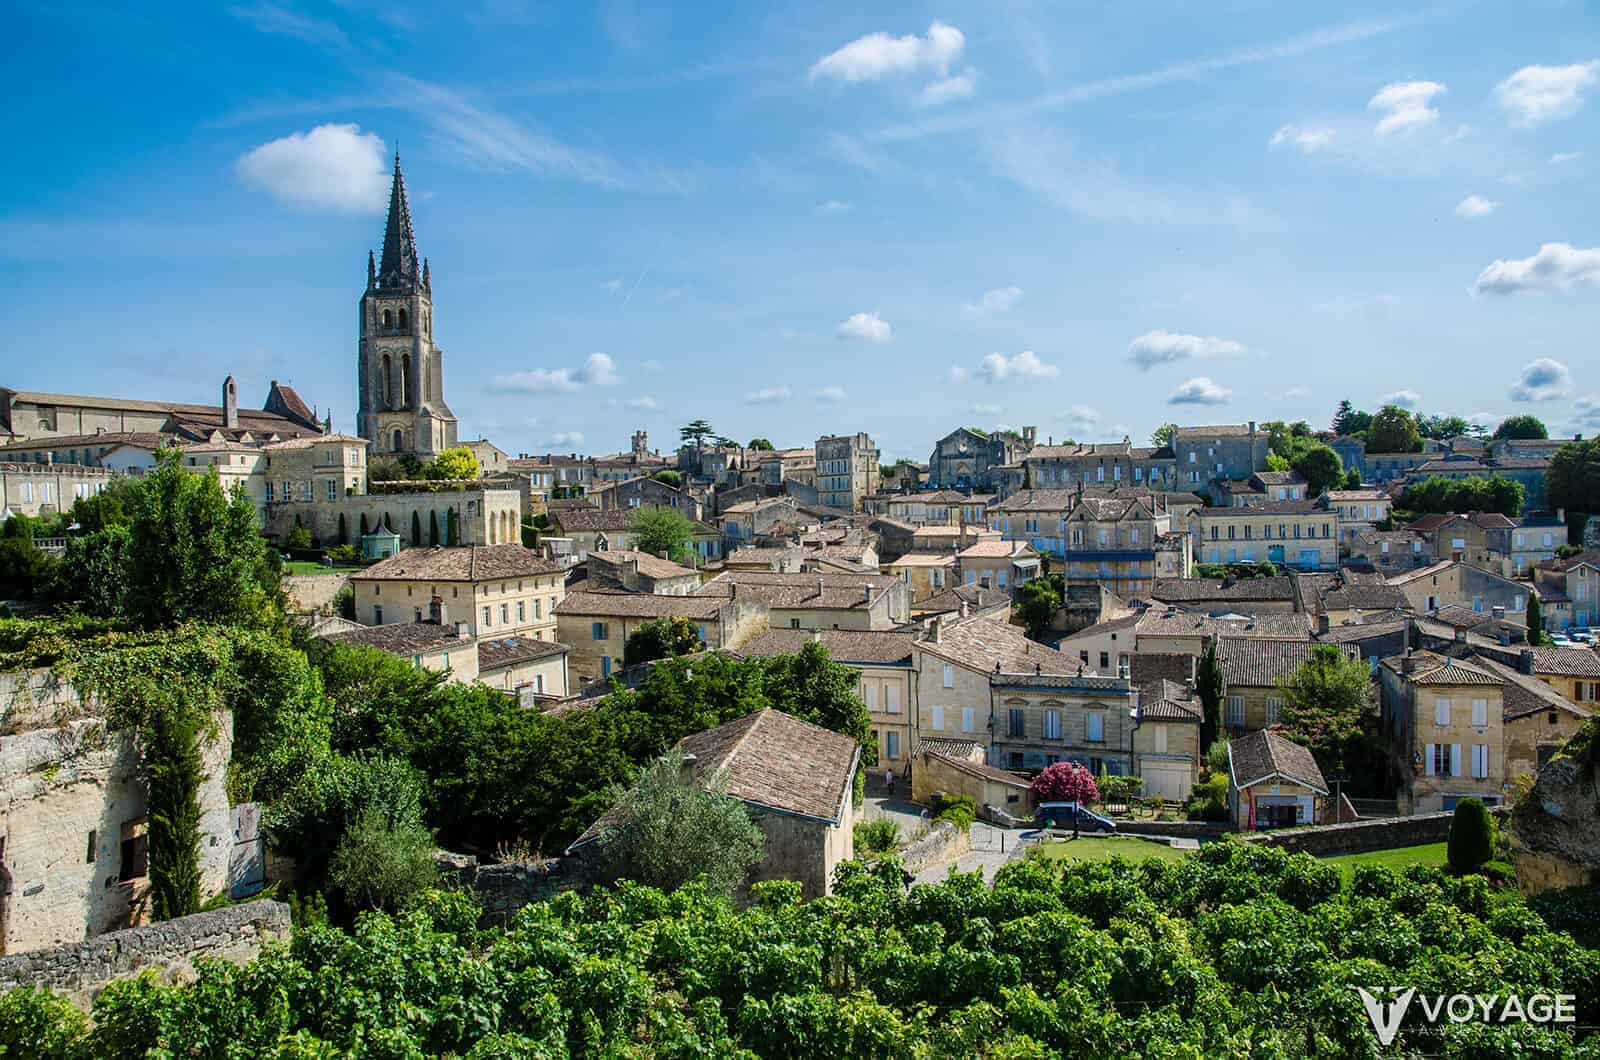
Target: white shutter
point(1427, 761)
point(1480, 712)
point(1455, 760)
point(969, 719)
point(938, 718)
point(891, 695)
point(1441, 713)
point(871, 696)
point(949, 675)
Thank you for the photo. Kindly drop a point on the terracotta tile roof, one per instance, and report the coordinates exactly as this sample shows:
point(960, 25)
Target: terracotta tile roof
point(650, 566)
point(1172, 622)
point(1422, 572)
point(976, 597)
point(464, 563)
point(1591, 557)
point(400, 638)
point(949, 747)
point(1303, 507)
point(1483, 520)
point(144, 439)
point(975, 769)
point(1353, 591)
point(983, 644)
point(1357, 495)
point(579, 520)
point(1224, 430)
point(1057, 500)
point(315, 439)
point(1147, 666)
point(586, 602)
point(790, 591)
point(1566, 662)
point(879, 648)
point(1248, 663)
point(1435, 669)
point(920, 559)
point(1110, 625)
point(1279, 478)
point(1239, 590)
point(1264, 754)
point(1164, 700)
point(774, 760)
point(996, 550)
point(1385, 625)
point(1525, 694)
point(506, 651)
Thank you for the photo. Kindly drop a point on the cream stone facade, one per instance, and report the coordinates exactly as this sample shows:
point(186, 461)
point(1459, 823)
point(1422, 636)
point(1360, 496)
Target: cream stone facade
point(495, 589)
point(1446, 723)
point(43, 489)
point(1298, 534)
point(597, 625)
point(483, 516)
point(926, 574)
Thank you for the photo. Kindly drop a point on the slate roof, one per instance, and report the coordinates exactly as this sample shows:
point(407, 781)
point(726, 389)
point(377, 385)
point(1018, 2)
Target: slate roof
point(1248, 663)
point(981, 643)
point(1239, 590)
point(470, 563)
point(505, 651)
point(1263, 754)
point(1435, 669)
point(587, 602)
point(867, 647)
point(400, 638)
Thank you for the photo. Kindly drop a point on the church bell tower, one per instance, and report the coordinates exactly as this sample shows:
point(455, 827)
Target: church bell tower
point(399, 370)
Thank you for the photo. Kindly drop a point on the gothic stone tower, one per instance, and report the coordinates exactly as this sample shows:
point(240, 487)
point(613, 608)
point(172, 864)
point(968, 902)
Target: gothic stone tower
point(400, 370)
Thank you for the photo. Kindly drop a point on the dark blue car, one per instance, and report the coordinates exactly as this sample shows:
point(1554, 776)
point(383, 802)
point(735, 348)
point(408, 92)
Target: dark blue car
point(1060, 815)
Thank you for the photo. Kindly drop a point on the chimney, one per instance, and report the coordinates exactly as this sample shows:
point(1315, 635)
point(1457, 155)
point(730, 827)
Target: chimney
point(687, 768)
point(1461, 638)
point(866, 594)
point(1499, 612)
point(1505, 637)
point(1525, 662)
point(934, 631)
point(819, 586)
point(461, 631)
point(963, 609)
point(1322, 623)
point(1408, 664)
point(436, 610)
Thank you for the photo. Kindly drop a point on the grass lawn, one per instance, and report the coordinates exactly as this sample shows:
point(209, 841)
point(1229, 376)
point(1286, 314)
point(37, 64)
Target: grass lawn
point(1430, 854)
point(1099, 848)
point(306, 566)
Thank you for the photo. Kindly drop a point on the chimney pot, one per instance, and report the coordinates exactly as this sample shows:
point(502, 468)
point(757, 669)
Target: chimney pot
point(1322, 622)
point(1525, 660)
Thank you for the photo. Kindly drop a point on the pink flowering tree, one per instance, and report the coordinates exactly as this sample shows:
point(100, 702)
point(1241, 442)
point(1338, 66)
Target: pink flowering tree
point(1065, 782)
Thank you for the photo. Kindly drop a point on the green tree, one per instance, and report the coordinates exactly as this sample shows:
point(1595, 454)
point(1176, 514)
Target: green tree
point(1442, 427)
point(195, 553)
point(762, 444)
point(1325, 701)
point(452, 525)
point(1037, 603)
point(670, 477)
point(1393, 430)
point(1573, 479)
point(1471, 840)
point(365, 529)
point(695, 433)
point(454, 463)
point(1211, 684)
point(1535, 619)
point(433, 527)
point(1163, 435)
point(530, 532)
point(26, 571)
point(1521, 427)
point(1277, 463)
point(344, 530)
point(661, 638)
point(1342, 417)
point(666, 831)
point(1437, 494)
point(1352, 479)
point(416, 528)
point(381, 863)
point(105, 509)
point(1321, 468)
point(662, 530)
point(299, 539)
point(94, 571)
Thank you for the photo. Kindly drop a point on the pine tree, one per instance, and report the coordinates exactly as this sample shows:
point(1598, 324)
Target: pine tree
point(1341, 417)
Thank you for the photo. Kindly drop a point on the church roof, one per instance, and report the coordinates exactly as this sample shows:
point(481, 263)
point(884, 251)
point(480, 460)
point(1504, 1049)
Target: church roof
point(397, 267)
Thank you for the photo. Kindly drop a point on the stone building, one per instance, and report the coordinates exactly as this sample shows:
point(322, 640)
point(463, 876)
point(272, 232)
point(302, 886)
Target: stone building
point(597, 625)
point(815, 600)
point(1004, 565)
point(74, 855)
point(44, 489)
point(494, 589)
point(1298, 534)
point(399, 369)
point(1445, 719)
point(847, 471)
point(1228, 451)
point(1252, 670)
point(1569, 590)
point(1101, 464)
point(642, 492)
point(446, 649)
point(639, 572)
point(1451, 582)
point(1273, 783)
point(967, 458)
point(1538, 719)
point(1166, 739)
point(77, 429)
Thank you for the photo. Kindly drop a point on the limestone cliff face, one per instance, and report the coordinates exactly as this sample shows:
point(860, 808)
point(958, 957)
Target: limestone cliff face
point(1556, 829)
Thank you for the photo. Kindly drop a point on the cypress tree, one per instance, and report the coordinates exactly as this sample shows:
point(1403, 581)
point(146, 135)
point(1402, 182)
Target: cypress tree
point(433, 528)
point(416, 529)
point(1535, 621)
point(364, 529)
point(1471, 841)
point(344, 531)
point(453, 528)
point(1212, 687)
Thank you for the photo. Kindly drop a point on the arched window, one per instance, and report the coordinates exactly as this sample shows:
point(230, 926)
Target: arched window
point(406, 383)
point(402, 320)
point(399, 440)
point(388, 382)
point(388, 319)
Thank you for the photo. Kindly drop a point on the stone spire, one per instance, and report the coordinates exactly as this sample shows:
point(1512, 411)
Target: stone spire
point(397, 268)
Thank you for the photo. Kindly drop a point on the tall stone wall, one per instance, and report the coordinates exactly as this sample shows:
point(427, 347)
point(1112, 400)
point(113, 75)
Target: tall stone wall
point(313, 592)
point(80, 970)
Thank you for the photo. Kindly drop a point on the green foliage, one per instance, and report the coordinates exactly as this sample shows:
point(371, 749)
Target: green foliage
point(195, 553)
point(762, 444)
point(1235, 951)
point(433, 528)
point(298, 540)
point(1037, 603)
point(452, 524)
point(1211, 685)
point(381, 863)
point(878, 836)
point(1471, 841)
point(26, 572)
point(94, 571)
point(1237, 570)
point(1573, 479)
point(695, 432)
point(1209, 799)
point(1442, 427)
point(345, 555)
point(1163, 434)
point(1321, 468)
point(1575, 910)
point(1437, 494)
point(416, 528)
point(670, 477)
point(455, 463)
point(662, 530)
point(1217, 756)
point(666, 830)
point(1535, 616)
point(1352, 479)
point(36, 1023)
point(1277, 463)
point(1325, 702)
point(661, 638)
point(170, 755)
point(1348, 420)
point(959, 810)
point(1393, 430)
point(1521, 427)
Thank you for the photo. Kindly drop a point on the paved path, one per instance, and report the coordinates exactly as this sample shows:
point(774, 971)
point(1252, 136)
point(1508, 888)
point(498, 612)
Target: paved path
point(992, 848)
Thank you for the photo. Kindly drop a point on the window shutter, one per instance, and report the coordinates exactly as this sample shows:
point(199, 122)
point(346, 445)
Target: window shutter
point(1441, 712)
point(1427, 762)
point(1455, 760)
point(1480, 712)
point(938, 717)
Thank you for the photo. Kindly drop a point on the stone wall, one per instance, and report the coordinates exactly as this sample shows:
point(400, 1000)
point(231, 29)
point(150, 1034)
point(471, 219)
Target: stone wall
point(313, 592)
point(1357, 837)
point(1181, 829)
point(944, 842)
point(79, 970)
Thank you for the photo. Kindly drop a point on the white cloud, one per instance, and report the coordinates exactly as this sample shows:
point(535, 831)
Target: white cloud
point(986, 410)
point(1083, 419)
point(1461, 131)
point(1588, 411)
point(831, 394)
point(1542, 380)
point(831, 208)
point(1406, 399)
point(1475, 206)
point(1537, 94)
point(613, 285)
point(1025, 365)
point(335, 167)
point(1406, 105)
point(1562, 157)
point(1306, 139)
point(273, 18)
point(537, 381)
point(957, 374)
point(1290, 393)
point(1200, 391)
point(1557, 267)
point(564, 438)
point(949, 89)
point(770, 395)
point(599, 370)
point(640, 404)
point(1485, 419)
point(999, 300)
point(880, 55)
point(1164, 347)
point(867, 326)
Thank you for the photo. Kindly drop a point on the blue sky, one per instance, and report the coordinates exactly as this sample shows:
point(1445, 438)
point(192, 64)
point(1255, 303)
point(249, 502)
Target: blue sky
point(805, 218)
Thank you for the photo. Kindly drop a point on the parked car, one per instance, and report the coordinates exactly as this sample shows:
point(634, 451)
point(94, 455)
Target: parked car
point(1581, 636)
point(1061, 814)
point(1561, 640)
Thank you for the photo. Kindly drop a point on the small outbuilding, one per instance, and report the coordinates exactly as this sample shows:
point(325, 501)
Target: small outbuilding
point(1273, 783)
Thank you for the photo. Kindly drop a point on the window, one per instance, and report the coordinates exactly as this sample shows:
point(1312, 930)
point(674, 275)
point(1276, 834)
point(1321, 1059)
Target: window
point(891, 745)
point(1095, 729)
point(1016, 723)
point(794, 623)
point(1441, 712)
point(93, 836)
point(1480, 712)
point(949, 676)
point(269, 493)
point(333, 489)
point(1235, 712)
point(1274, 708)
point(891, 698)
point(599, 631)
point(522, 611)
point(938, 718)
point(486, 616)
point(377, 614)
point(969, 719)
point(1159, 735)
point(135, 851)
point(605, 666)
point(870, 695)
point(1105, 661)
point(1480, 761)
point(1052, 725)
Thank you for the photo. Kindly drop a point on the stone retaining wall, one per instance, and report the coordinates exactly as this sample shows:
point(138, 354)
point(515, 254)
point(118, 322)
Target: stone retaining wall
point(80, 970)
point(313, 592)
point(1357, 837)
point(944, 842)
point(1181, 829)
